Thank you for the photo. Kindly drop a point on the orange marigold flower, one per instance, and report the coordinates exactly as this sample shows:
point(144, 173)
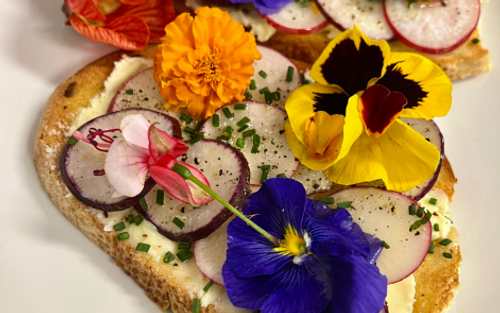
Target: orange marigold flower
point(204, 62)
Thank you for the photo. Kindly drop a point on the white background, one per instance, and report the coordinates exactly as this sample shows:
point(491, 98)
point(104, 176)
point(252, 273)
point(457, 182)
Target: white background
point(47, 265)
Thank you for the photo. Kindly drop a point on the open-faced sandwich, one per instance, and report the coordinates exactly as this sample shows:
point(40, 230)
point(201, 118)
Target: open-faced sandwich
point(224, 177)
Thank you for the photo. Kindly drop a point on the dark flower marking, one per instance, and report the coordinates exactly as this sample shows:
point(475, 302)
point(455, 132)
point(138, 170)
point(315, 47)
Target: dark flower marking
point(331, 103)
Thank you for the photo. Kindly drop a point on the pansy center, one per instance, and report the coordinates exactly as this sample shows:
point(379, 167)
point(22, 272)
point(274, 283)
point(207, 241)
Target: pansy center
point(293, 244)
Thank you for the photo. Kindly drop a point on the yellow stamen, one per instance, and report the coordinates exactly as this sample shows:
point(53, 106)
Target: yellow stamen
point(293, 244)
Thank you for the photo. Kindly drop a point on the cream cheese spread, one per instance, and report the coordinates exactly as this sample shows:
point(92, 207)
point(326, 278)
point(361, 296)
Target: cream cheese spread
point(400, 296)
point(439, 211)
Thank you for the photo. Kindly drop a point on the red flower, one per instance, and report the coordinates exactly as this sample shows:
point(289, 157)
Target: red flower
point(125, 24)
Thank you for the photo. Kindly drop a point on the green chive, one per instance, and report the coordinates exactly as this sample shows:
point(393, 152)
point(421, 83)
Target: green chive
point(276, 96)
point(242, 128)
point(179, 223)
point(189, 121)
point(248, 96)
point(227, 113)
point(138, 220)
point(122, 236)
point(412, 209)
point(282, 175)
point(445, 242)
point(215, 120)
point(129, 92)
point(130, 218)
point(222, 138)
point(449, 219)
point(264, 90)
point(144, 204)
point(240, 143)
point(119, 226)
point(433, 201)
point(263, 178)
point(169, 257)
point(72, 141)
point(385, 245)
point(273, 141)
point(327, 200)
point(243, 122)
point(436, 227)
point(265, 167)
point(240, 106)
point(256, 140)
point(185, 246)
point(410, 3)
point(160, 196)
point(248, 133)
point(420, 212)
point(426, 218)
point(189, 130)
point(431, 248)
point(229, 131)
point(184, 117)
point(184, 255)
point(448, 255)
point(269, 98)
point(196, 139)
point(207, 287)
point(475, 41)
point(416, 225)
point(143, 247)
point(344, 205)
point(253, 86)
point(289, 74)
point(263, 74)
point(255, 149)
point(196, 305)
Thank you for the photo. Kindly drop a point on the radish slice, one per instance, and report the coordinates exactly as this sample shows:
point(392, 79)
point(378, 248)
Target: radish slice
point(433, 29)
point(384, 214)
point(210, 254)
point(228, 174)
point(314, 181)
point(431, 133)
point(82, 166)
point(294, 19)
point(368, 15)
point(267, 121)
point(274, 67)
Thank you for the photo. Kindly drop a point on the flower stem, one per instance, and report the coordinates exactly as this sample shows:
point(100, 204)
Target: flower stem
point(186, 174)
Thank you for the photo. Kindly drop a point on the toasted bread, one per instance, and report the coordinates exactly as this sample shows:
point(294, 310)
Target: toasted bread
point(437, 278)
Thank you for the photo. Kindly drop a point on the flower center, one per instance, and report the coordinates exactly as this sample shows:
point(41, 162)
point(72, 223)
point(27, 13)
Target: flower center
point(293, 244)
point(210, 68)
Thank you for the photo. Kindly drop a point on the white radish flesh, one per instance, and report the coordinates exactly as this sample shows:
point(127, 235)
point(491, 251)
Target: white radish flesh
point(297, 20)
point(314, 181)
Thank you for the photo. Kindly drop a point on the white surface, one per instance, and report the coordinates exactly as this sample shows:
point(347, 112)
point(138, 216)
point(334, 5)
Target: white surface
point(47, 265)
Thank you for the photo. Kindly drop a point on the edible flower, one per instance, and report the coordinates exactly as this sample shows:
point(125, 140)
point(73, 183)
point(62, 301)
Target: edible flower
point(204, 62)
point(347, 122)
point(144, 149)
point(323, 262)
point(125, 24)
point(266, 7)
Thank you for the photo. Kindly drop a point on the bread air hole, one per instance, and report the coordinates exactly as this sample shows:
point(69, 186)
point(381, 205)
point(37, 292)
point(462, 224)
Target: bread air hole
point(70, 90)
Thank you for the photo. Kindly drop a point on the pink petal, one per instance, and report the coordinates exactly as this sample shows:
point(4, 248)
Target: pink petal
point(126, 167)
point(135, 130)
point(161, 143)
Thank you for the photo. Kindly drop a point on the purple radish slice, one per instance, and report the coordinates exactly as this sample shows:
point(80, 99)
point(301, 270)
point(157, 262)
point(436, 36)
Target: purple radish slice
point(433, 29)
point(314, 181)
point(228, 174)
point(385, 215)
point(267, 121)
point(431, 133)
point(82, 165)
point(210, 254)
point(271, 71)
point(294, 19)
point(368, 15)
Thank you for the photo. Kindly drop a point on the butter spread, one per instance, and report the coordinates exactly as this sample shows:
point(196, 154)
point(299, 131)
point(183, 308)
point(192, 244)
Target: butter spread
point(439, 211)
point(400, 296)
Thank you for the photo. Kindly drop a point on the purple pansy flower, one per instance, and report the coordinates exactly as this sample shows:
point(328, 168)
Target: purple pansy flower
point(324, 262)
point(265, 7)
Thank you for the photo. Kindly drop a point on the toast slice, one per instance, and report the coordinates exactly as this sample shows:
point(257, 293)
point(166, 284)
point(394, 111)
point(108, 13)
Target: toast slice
point(165, 284)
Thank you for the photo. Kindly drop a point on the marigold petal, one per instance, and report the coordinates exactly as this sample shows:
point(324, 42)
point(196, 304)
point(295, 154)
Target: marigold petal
point(87, 9)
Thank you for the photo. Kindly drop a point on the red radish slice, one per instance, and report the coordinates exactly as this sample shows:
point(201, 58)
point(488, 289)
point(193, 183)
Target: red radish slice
point(433, 29)
point(385, 215)
point(228, 174)
point(82, 166)
point(314, 181)
point(430, 131)
point(368, 15)
point(268, 122)
point(210, 254)
point(294, 19)
point(271, 71)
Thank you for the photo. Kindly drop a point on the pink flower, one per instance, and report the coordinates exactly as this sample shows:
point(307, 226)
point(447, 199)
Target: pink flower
point(146, 149)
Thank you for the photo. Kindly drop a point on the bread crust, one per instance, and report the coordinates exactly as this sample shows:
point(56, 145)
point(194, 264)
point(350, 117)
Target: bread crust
point(158, 281)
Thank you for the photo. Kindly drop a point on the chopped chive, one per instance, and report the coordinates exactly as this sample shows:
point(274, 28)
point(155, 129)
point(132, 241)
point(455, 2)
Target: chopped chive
point(189, 121)
point(130, 218)
point(160, 196)
point(385, 245)
point(475, 41)
point(215, 120)
point(416, 225)
point(273, 141)
point(327, 200)
point(433, 201)
point(143, 247)
point(265, 167)
point(185, 246)
point(263, 74)
point(282, 175)
point(222, 139)
point(344, 205)
point(184, 255)
point(242, 128)
point(289, 74)
point(189, 130)
point(411, 209)
point(196, 305)
point(184, 117)
point(229, 131)
point(426, 218)
point(248, 96)
point(445, 242)
point(72, 141)
point(431, 248)
point(200, 124)
point(179, 223)
point(448, 255)
point(138, 220)
point(227, 113)
point(436, 227)
point(196, 139)
point(256, 140)
point(240, 143)
point(269, 98)
point(119, 226)
point(265, 172)
point(122, 236)
point(449, 219)
point(276, 96)
point(248, 133)
point(420, 212)
point(129, 92)
point(253, 86)
point(243, 122)
point(144, 204)
point(264, 90)
point(207, 287)
point(169, 257)
point(240, 106)
point(255, 149)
